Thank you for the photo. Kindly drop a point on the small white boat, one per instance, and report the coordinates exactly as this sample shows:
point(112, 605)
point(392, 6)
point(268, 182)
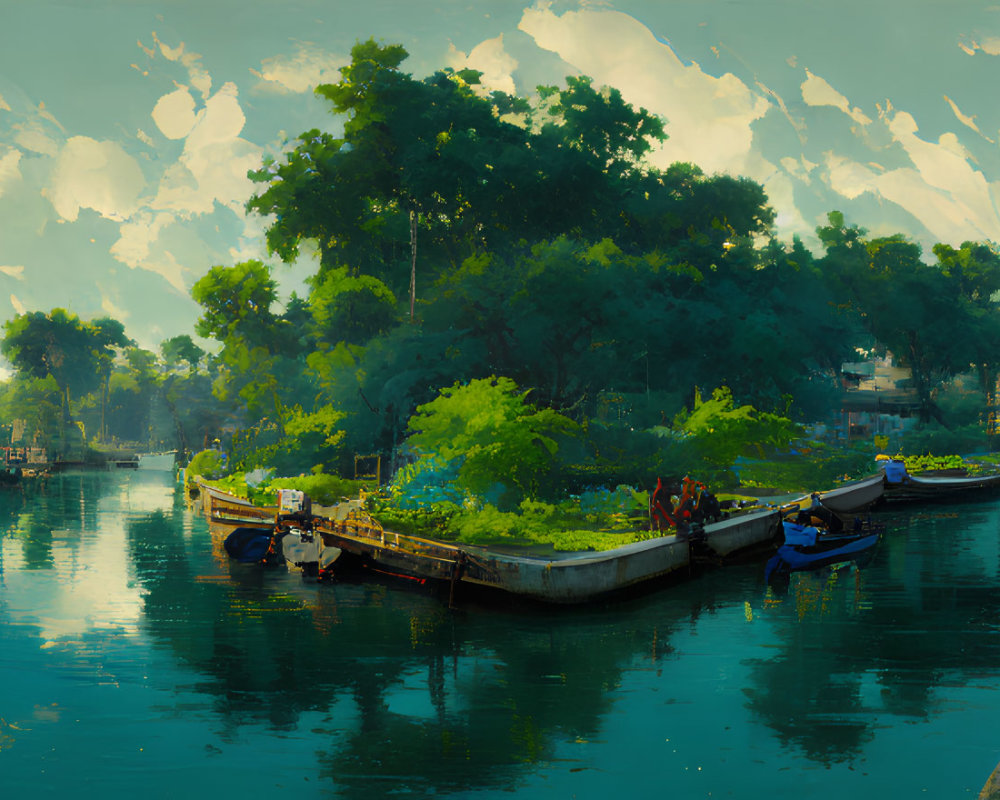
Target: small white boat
point(851, 498)
point(305, 550)
point(854, 497)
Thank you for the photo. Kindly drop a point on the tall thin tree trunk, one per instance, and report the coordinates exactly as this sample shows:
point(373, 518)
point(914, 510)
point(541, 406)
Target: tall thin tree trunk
point(105, 391)
point(413, 261)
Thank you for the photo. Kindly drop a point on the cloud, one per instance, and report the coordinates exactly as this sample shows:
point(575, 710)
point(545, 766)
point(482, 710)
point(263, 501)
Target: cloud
point(139, 246)
point(781, 194)
point(96, 175)
point(939, 187)
point(3, 104)
point(989, 45)
point(207, 179)
point(708, 119)
point(108, 307)
point(32, 135)
point(197, 74)
point(490, 58)
point(304, 70)
point(137, 235)
point(17, 305)
point(9, 171)
point(944, 165)
point(817, 92)
point(798, 168)
point(174, 113)
point(848, 177)
point(797, 124)
point(969, 122)
point(47, 115)
point(949, 216)
point(213, 166)
point(13, 272)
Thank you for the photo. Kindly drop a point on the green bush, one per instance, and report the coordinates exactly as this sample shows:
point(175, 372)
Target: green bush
point(813, 467)
point(938, 439)
point(209, 464)
point(599, 522)
point(321, 488)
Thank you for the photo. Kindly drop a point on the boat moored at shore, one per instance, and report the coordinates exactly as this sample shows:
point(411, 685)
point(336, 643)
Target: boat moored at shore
point(811, 544)
point(900, 485)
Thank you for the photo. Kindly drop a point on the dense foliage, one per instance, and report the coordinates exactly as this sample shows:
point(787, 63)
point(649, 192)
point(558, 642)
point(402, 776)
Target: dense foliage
point(513, 308)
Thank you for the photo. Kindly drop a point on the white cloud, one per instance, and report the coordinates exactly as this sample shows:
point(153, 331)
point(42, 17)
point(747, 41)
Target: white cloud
point(31, 135)
point(708, 119)
point(167, 267)
point(817, 92)
point(797, 123)
point(948, 217)
point(798, 168)
point(221, 120)
point(490, 58)
point(951, 200)
point(989, 45)
point(197, 74)
point(213, 167)
point(9, 171)
point(14, 271)
point(209, 173)
point(108, 307)
point(969, 122)
point(174, 113)
point(97, 175)
point(300, 72)
point(137, 236)
point(847, 177)
point(17, 305)
point(3, 104)
point(944, 165)
point(139, 247)
point(781, 195)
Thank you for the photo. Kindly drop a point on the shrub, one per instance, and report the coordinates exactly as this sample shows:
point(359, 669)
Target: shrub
point(209, 464)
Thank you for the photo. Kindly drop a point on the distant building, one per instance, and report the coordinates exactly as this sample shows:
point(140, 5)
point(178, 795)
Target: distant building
point(877, 399)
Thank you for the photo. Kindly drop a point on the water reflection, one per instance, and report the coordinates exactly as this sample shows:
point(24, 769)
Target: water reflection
point(377, 688)
point(860, 645)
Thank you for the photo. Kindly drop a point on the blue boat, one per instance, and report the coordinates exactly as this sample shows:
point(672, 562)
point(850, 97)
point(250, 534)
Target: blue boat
point(812, 546)
point(249, 545)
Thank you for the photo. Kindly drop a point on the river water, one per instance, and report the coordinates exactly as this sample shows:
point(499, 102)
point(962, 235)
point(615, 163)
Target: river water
point(136, 660)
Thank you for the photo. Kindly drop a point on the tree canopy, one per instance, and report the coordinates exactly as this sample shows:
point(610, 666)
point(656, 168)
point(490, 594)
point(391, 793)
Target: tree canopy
point(511, 294)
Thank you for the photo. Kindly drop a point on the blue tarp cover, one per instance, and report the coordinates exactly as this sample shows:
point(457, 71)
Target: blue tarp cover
point(248, 544)
point(800, 535)
point(895, 471)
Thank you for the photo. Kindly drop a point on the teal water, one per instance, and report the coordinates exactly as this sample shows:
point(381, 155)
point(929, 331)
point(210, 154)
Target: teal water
point(136, 660)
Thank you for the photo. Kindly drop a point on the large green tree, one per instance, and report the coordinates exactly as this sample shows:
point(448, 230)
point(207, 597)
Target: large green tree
point(262, 356)
point(435, 161)
point(937, 319)
point(973, 270)
point(76, 354)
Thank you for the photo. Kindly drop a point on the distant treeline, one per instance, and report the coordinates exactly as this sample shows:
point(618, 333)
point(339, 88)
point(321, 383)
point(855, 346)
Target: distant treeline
point(525, 248)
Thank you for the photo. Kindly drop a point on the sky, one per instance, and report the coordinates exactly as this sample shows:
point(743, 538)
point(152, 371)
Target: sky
point(127, 127)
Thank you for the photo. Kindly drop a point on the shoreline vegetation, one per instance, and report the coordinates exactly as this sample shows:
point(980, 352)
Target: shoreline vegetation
point(594, 521)
point(525, 323)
